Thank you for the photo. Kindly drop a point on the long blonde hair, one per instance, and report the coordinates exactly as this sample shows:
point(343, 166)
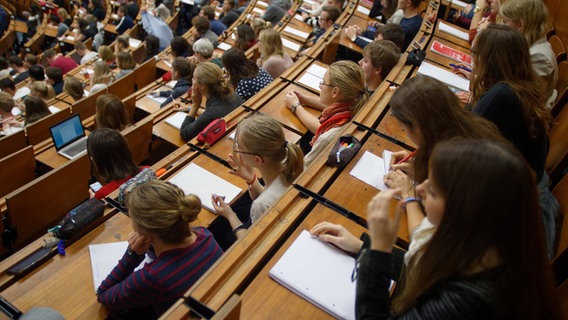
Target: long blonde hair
point(102, 73)
point(531, 13)
point(162, 209)
point(271, 44)
point(350, 79)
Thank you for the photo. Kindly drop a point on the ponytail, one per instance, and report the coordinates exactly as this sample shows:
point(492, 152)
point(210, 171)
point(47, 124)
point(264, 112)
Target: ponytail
point(293, 164)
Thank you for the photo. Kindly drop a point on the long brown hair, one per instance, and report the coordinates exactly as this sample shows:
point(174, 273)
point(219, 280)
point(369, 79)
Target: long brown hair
point(425, 105)
point(238, 66)
point(501, 54)
point(110, 112)
point(110, 155)
point(491, 206)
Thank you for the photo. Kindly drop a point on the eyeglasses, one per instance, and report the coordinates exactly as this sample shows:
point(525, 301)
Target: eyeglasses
point(326, 84)
point(236, 150)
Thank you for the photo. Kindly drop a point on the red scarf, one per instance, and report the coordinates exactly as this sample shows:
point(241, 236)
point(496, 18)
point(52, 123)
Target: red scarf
point(333, 116)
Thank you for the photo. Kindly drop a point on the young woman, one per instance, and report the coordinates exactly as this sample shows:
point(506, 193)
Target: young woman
point(530, 17)
point(111, 160)
point(258, 24)
point(260, 145)
point(273, 58)
point(342, 95)
point(209, 83)
point(125, 63)
point(35, 108)
point(245, 37)
point(182, 71)
point(152, 45)
point(101, 78)
point(480, 195)
point(161, 215)
point(418, 104)
point(110, 113)
point(505, 91)
point(73, 87)
point(106, 54)
point(42, 90)
point(245, 75)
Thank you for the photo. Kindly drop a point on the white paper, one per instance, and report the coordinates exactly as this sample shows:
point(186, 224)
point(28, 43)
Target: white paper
point(16, 111)
point(53, 109)
point(171, 84)
point(190, 2)
point(194, 179)
point(319, 273)
point(311, 81)
point(224, 46)
point(459, 3)
point(387, 157)
point(447, 77)
point(258, 10)
point(134, 42)
point(176, 119)
point(291, 45)
point(168, 63)
point(159, 100)
point(363, 10)
point(317, 70)
point(365, 39)
point(299, 17)
point(105, 256)
point(371, 170)
point(453, 31)
point(262, 4)
point(22, 92)
point(233, 134)
point(70, 38)
point(301, 34)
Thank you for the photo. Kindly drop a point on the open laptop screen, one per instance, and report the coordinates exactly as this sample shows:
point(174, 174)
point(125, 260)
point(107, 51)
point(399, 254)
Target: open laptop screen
point(67, 131)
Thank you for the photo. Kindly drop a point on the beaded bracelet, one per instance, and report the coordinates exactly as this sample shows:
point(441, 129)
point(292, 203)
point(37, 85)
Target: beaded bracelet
point(408, 200)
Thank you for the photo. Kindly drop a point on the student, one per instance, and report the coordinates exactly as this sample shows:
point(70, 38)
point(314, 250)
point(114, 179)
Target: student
point(101, 78)
point(209, 83)
point(73, 87)
point(111, 159)
point(411, 21)
point(244, 37)
point(9, 123)
point(530, 17)
point(180, 47)
point(257, 24)
point(203, 30)
point(152, 46)
point(125, 21)
point(84, 52)
point(487, 241)
point(132, 9)
point(329, 15)
point(64, 17)
point(156, 26)
point(276, 10)
point(161, 215)
point(122, 44)
point(312, 18)
point(182, 71)
point(35, 109)
point(203, 52)
point(107, 54)
point(260, 145)
point(55, 79)
point(273, 57)
point(246, 77)
point(387, 11)
point(60, 61)
point(504, 92)
point(379, 58)
point(418, 104)
point(42, 90)
point(110, 113)
point(216, 26)
point(391, 31)
point(86, 30)
point(125, 63)
point(229, 13)
point(21, 73)
point(96, 8)
point(8, 85)
point(342, 95)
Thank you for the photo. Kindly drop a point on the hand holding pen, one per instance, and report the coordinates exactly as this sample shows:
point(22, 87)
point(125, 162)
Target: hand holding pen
point(402, 160)
point(462, 70)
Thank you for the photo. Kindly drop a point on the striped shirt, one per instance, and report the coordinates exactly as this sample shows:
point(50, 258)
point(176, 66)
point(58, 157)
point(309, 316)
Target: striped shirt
point(159, 283)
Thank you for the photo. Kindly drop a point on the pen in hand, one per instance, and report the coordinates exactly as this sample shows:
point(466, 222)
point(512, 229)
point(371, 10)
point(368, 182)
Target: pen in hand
point(408, 157)
point(460, 67)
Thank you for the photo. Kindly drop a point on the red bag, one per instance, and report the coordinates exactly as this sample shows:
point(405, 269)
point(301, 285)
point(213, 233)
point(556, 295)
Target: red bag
point(213, 132)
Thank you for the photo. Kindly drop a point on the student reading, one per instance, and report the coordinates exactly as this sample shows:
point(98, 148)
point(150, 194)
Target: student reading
point(161, 215)
point(487, 257)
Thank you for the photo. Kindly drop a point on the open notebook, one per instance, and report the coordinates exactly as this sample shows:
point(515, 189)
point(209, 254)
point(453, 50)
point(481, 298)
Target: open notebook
point(319, 273)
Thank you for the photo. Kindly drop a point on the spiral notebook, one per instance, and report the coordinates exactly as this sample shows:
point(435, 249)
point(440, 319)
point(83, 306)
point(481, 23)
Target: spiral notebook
point(319, 273)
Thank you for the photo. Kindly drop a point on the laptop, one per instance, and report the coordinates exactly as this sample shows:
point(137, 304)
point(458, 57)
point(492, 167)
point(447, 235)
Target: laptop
point(69, 137)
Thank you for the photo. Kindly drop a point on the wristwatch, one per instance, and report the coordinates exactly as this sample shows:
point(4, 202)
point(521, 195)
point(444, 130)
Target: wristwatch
point(294, 107)
point(476, 9)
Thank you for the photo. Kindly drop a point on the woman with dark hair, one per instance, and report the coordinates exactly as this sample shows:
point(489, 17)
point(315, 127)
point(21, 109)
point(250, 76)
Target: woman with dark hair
point(180, 47)
point(110, 113)
point(506, 91)
point(35, 108)
point(429, 113)
point(152, 45)
point(182, 71)
point(246, 76)
point(480, 195)
point(161, 215)
point(245, 38)
point(208, 82)
point(112, 160)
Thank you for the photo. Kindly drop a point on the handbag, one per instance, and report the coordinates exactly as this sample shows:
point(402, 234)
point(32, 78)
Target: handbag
point(142, 177)
point(343, 151)
point(79, 218)
point(213, 132)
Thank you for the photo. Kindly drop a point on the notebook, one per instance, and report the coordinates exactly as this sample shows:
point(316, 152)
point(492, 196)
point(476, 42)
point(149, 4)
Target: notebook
point(371, 169)
point(194, 179)
point(69, 137)
point(319, 273)
point(176, 120)
point(453, 81)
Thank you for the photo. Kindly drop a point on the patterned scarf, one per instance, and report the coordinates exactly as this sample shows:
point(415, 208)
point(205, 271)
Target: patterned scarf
point(333, 116)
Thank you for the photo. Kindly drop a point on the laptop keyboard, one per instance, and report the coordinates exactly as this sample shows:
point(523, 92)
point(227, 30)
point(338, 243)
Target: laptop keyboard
point(77, 148)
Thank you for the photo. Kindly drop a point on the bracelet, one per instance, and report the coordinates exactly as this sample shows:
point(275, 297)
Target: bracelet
point(237, 229)
point(294, 107)
point(252, 180)
point(408, 200)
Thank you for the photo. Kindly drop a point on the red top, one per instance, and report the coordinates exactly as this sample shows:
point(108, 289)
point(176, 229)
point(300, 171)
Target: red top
point(113, 185)
point(64, 63)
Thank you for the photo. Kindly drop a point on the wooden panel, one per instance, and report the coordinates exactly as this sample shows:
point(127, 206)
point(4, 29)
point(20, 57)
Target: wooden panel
point(17, 169)
point(139, 138)
point(12, 143)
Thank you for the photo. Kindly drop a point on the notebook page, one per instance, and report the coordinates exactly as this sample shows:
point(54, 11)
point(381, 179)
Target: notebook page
point(301, 34)
point(319, 273)
point(176, 119)
point(447, 77)
point(311, 81)
point(371, 170)
point(453, 31)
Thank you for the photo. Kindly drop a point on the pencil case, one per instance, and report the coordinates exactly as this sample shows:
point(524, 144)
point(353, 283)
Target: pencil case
point(343, 151)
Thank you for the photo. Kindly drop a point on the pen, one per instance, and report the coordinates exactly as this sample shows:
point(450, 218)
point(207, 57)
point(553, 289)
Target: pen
point(410, 155)
point(161, 171)
point(460, 67)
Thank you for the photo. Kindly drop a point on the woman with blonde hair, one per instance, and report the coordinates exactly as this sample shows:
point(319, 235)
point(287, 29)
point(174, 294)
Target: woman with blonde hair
point(101, 78)
point(106, 54)
point(110, 113)
point(258, 24)
point(208, 82)
point(73, 87)
point(260, 145)
point(42, 90)
point(530, 17)
point(342, 95)
point(273, 58)
point(161, 216)
point(125, 63)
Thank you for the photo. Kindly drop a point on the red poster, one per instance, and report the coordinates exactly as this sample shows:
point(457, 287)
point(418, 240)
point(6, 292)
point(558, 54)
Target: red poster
point(451, 53)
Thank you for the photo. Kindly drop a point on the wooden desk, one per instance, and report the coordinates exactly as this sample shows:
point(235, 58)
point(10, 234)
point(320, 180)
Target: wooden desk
point(443, 60)
point(453, 39)
point(346, 42)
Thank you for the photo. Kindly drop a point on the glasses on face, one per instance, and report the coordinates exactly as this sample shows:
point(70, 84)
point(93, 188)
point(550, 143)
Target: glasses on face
point(326, 84)
point(236, 150)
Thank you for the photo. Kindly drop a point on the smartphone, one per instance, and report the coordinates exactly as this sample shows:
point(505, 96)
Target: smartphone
point(95, 186)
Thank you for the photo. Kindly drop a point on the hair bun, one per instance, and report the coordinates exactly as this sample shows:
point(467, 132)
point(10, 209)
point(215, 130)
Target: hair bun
point(190, 207)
